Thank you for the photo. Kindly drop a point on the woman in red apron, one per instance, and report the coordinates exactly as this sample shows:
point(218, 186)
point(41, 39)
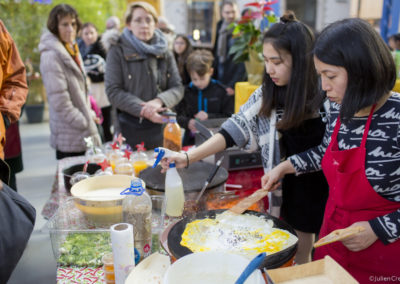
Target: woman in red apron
point(360, 151)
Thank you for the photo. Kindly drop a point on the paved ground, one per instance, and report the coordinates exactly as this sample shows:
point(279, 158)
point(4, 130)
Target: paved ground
point(37, 264)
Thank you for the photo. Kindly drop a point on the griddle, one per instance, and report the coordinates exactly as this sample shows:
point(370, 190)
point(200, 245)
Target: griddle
point(270, 262)
point(193, 178)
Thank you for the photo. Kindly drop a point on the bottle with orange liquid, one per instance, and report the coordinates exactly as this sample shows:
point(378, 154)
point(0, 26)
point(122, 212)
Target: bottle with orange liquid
point(139, 159)
point(172, 133)
point(108, 268)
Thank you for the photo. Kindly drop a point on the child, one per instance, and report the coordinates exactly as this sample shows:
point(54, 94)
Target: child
point(204, 97)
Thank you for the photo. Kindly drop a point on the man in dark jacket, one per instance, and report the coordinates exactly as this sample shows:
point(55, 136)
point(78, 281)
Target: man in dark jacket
point(225, 69)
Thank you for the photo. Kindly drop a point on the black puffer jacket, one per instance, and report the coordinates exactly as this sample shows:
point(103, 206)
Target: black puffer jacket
point(214, 101)
point(94, 59)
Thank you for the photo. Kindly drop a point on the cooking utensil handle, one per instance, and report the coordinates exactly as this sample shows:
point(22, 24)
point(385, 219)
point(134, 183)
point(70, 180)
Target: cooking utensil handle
point(240, 207)
point(210, 178)
point(217, 166)
point(253, 265)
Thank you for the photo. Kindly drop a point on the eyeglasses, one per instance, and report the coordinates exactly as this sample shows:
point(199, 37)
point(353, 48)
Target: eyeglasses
point(147, 20)
point(179, 42)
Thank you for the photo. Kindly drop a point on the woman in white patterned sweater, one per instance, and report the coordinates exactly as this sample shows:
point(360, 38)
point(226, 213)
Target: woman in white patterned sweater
point(281, 118)
point(360, 152)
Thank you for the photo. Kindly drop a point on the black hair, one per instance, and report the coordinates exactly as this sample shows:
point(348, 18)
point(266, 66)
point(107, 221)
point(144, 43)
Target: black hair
point(371, 72)
point(57, 13)
point(89, 24)
point(300, 97)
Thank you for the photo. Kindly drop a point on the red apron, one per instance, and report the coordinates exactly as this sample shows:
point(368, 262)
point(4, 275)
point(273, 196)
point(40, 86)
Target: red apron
point(352, 199)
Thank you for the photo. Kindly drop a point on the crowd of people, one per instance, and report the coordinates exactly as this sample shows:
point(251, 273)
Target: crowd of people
point(324, 118)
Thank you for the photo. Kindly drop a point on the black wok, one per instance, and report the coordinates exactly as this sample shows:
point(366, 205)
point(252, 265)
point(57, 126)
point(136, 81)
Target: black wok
point(271, 261)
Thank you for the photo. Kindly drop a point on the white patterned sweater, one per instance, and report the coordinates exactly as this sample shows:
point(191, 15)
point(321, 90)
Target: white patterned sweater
point(252, 132)
point(382, 159)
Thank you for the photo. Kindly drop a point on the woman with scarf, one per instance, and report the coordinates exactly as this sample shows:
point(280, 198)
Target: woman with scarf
point(71, 119)
point(142, 78)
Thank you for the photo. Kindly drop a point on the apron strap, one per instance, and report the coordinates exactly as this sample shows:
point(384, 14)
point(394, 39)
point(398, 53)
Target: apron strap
point(364, 139)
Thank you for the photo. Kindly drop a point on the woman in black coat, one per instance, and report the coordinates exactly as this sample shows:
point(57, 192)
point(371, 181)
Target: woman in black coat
point(94, 55)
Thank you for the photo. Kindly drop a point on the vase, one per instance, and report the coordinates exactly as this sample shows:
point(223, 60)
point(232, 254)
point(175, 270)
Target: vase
point(34, 113)
point(254, 68)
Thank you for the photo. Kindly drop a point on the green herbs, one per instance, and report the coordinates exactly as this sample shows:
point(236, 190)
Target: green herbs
point(84, 249)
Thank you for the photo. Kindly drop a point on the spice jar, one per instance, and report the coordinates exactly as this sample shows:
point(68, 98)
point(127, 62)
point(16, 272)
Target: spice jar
point(108, 268)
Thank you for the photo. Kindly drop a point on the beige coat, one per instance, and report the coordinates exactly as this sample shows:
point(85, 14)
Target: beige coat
point(71, 118)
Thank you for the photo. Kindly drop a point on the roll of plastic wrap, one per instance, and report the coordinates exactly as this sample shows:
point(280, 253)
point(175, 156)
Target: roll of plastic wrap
point(123, 250)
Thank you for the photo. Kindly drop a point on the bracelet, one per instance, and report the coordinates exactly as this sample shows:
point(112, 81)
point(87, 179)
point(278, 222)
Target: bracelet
point(187, 160)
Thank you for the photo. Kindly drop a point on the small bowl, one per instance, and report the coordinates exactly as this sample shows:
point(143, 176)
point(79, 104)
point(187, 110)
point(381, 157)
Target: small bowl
point(68, 172)
point(98, 198)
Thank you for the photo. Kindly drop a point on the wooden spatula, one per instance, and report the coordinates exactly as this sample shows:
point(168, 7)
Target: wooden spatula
point(242, 205)
point(338, 235)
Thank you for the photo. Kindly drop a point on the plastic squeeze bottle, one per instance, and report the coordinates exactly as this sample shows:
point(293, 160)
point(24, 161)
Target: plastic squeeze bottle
point(174, 194)
point(172, 133)
point(136, 210)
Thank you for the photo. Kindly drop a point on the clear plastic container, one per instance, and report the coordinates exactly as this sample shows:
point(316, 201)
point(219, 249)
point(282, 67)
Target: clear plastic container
point(75, 240)
point(139, 159)
point(136, 210)
point(108, 268)
point(114, 157)
point(124, 169)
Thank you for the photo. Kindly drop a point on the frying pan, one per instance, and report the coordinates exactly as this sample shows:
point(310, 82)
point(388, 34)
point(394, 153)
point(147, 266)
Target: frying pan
point(271, 261)
point(193, 178)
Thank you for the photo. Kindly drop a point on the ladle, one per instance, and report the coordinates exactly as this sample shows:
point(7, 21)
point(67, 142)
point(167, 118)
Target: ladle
point(253, 265)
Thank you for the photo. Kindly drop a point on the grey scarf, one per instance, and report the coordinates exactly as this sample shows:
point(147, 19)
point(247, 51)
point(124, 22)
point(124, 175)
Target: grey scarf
point(222, 47)
point(158, 44)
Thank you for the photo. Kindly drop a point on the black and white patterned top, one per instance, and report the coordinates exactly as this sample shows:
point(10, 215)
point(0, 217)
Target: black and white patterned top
point(382, 161)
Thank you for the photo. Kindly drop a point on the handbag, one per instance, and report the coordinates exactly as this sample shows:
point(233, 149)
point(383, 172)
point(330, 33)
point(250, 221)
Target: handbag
point(17, 219)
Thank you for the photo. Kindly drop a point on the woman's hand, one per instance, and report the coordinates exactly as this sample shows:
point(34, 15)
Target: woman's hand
point(201, 115)
point(179, 159)
point(151, 107)
point(157, 118)
point(97, 120)
point(230, 91)
point(361, 240)
point(271, 180)
point(191, 125)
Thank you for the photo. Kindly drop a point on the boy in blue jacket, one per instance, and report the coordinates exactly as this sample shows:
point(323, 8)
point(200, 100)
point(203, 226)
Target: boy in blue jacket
point(204, 97)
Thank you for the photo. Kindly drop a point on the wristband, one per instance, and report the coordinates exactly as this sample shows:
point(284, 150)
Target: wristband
point(187, 160)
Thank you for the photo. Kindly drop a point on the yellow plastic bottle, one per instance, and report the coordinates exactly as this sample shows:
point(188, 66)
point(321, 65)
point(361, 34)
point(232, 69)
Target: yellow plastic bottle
point(172, 133)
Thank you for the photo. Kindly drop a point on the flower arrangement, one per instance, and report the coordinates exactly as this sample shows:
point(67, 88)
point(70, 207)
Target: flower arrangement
point(256, 18)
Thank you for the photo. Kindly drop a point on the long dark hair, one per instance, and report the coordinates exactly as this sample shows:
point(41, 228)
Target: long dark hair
point(300, 98)
point(371, 72)
point(182, 58)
